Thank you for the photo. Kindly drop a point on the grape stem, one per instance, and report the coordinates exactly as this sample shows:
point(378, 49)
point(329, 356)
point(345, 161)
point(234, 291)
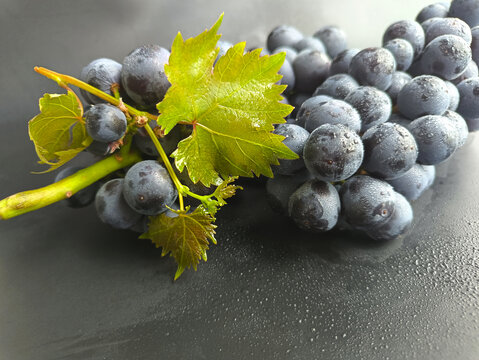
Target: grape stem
point(31, 200)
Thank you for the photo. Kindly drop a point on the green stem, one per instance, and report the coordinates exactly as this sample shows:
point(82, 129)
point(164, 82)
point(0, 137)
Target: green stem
point(66, 79)
point(179, 186)
point(31, 200)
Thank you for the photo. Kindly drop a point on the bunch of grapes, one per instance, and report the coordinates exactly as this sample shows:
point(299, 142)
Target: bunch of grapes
point(370, 125)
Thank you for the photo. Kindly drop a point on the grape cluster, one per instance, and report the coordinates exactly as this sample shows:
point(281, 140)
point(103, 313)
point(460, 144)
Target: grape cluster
point(374, 122)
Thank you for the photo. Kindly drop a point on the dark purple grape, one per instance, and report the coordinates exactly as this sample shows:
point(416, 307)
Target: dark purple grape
point(283, 35)
point(469, 98)
point(112, 208)
point(143, 75)
point(82, 197)
point(408, 30)
point(453, 96)
point(471, 71)
point(337, 86)
point(446, 56)
point(399, 119)
point(291, 52)
point(400, 79)
point(315, 206)
point(333, 152)
point(281, 187)
point(449, 26)
point(102, 74)
point(429, 22)
point(467, 10)
point(436, 138)
point(366, 202)
point(99, 148)
point(398, 223)
point(432, 11)
point(148, 188)
point(460, 125)
point(297, 100)
point(402, 51)
point(294, 138)
point(311, 68)
point(308, 108)
point(169, 142)
point(423, 95)
point(340, 64)
point(413, 183)
point(373, 105)
point(373, 66)
point(389, 150)
point(311, 43)
point(288, 76)
point(105, 123)
point(475, 44)
point(333, 38)
point(331, 112)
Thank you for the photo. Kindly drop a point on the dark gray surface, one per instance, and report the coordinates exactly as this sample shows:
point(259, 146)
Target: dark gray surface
point(72, 288)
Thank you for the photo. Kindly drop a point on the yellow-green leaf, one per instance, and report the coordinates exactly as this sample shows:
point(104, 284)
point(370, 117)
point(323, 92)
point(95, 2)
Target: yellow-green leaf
point(185, 237)
point(58, 132)
point(232, 108)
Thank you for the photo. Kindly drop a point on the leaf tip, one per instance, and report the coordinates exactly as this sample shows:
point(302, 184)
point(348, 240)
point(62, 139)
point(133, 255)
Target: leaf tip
point(179, 271)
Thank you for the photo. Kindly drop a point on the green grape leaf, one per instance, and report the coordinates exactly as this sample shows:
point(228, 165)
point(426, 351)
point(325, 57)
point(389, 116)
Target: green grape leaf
point(232, 107)
point(58, 132)
point(185, 237)
point(226, 190)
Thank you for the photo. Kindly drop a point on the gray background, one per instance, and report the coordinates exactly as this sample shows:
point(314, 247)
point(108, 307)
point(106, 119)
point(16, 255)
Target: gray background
point(72, 288)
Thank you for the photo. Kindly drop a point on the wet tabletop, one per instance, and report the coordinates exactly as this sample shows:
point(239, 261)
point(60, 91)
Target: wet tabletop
point(73, 288)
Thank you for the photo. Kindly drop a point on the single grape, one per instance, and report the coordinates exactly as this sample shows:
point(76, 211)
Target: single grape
point(423, 95)
point(389, 150)
point(281, 187)
point(294, 138)
point(311, 43)
point(308, 108)
point(337, 86)
point(333, 152)
point(430, 173)
point(283, 35)
point(399, 222)
point(288, 76)
point(429, 22)
point(148, 188)
point(449, 26)
point(469, 98)
point(102, 74)
point(453, 96)
point(471, 71)
point(143, 75)
point(291, 52)
point(311, 68)
point(436, 138)
point(340, 64)
point(105, 123)
point(169, 142)
point(413, 183)
point(374, 106)
point(333, 38)
point(366, 202)
point(315, 206)
point(400, 79)
point(81, 198)
point(408, 30)
point(99, 148)
point(432, 11)
point(373, 66)
point(460, 125)
point(446, 56)
point(466, 10)
point(112, 208)
point(402, 51)
point(475, 44)
point(330, 112)
point(297, 100)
